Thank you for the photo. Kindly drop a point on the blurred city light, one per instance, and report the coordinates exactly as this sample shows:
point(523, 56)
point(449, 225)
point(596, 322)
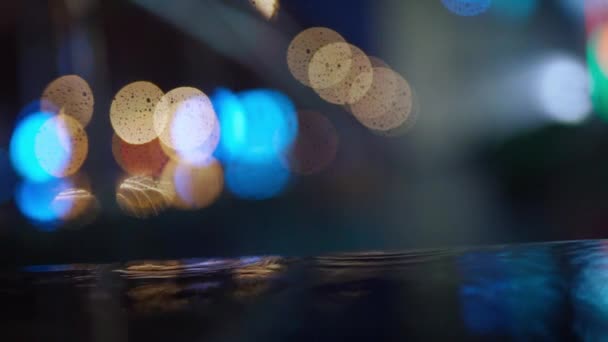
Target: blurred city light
point(354, 85)
point(256, 180)
point(304, 46)
point(342, 74)
point(596, 14)
point(23, 147)
point(233, 121)
point(132, 112)
point(257, 128)
point(199, 156)
point(563, 89)
point(35, 200)
point(330, 65)
point(184, 119)
point(146, 159)
point(388, 103)
point(61, 146)
point(256, 125)
point(467, 8)
point(267, 8)
point(197, 187)
point(316, 145)
point(597, 62)
point(72, 96)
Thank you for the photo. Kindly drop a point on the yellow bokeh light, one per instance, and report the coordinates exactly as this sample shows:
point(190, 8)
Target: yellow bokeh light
point(304, 46)
point(184, 119)
point(268, 8)
point(132, 112)
point(194, 187)
point(355, 84)
point(70, 95)
point(387, 104)
point(199, 156)
point(330, 65)
point(147, 159)
point(71, 146)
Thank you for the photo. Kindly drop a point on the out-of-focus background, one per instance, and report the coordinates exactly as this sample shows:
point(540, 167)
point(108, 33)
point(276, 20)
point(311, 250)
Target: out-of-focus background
point(507, 145)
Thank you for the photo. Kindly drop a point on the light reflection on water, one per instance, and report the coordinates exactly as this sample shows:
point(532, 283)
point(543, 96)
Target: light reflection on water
point(530, 292)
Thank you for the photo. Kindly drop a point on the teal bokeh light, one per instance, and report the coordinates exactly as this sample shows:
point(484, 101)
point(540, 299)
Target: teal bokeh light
point(35, 201)
point(23, 147)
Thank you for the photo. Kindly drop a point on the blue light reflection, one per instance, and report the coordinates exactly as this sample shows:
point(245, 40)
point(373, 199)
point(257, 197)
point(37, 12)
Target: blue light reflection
point(35, 201)
point(256, 181)
point(513, 294)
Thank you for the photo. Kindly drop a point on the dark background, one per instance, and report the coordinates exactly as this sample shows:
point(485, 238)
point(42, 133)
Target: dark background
point(481, 165)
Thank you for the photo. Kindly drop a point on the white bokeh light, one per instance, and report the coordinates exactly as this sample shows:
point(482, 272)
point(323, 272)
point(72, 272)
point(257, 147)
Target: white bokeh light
point(563, 89)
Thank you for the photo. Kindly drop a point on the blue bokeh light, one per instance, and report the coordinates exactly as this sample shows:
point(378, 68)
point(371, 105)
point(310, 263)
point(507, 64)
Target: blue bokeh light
point(256, 125)
point(52, 146)
point(467, 8)
point(256, 181)
point(23, 147)
point(231, 115)
point(35, 201)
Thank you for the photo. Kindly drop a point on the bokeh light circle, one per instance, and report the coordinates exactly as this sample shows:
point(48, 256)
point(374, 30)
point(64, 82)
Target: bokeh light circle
point(304, 46)
point(316, 145)
point(23, 147)
point(330, 65)
point(388, 104)
point(354, 85)
point(132, 112)
point(61, 146)
point(146, 159)
point(405, 126)
point(563, 89)
point(35, 200)
point(197, 187)
point(271, 124)
point(233, 123)
point(72, 95)
point(199, 156)
point(184, 118)
point(467, 8)
point(256, 181)
point(267, 8)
